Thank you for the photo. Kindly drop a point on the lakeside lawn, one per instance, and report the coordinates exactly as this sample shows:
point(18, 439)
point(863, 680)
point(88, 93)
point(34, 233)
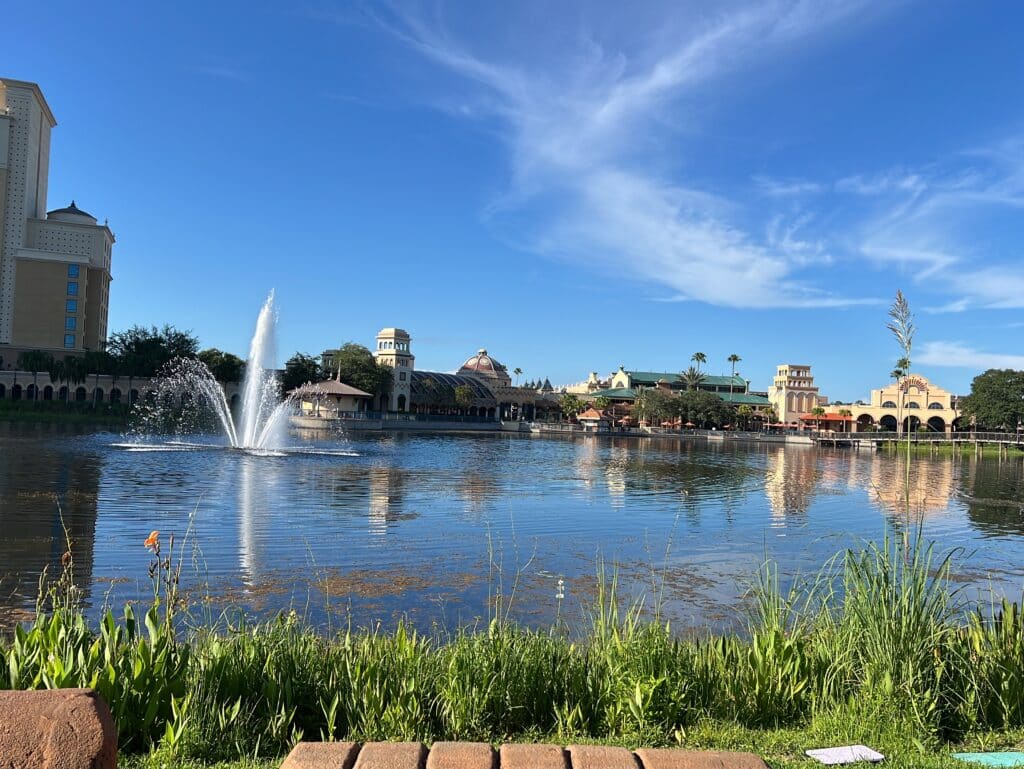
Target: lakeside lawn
point(881, 650)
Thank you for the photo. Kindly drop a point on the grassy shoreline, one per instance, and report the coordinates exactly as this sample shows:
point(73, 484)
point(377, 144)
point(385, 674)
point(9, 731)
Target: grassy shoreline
point(878, 650)
point(64, 413)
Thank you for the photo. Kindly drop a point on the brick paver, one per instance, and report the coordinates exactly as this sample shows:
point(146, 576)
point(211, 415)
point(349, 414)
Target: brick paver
point(480, 755)
point(322, 755)
point(391, 755)
point(600, 757)
point(461, 755)
point(670, 758)
point(526, 756)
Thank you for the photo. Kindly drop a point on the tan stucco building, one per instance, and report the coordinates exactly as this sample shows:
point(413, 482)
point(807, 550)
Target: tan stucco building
point(912, 404)
point(793, 393)
point(55, 266)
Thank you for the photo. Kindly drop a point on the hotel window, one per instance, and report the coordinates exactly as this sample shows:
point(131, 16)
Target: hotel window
point(72, 270)
point(72, 288)
point(69, 340)
point(402, 376)
point(72, 305)
point(70, 323)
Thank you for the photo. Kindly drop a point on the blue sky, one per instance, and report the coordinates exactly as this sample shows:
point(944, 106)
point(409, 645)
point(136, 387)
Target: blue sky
point(574, 186)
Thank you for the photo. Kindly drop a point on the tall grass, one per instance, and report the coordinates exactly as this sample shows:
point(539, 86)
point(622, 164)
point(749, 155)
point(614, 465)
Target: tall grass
point(881, 638)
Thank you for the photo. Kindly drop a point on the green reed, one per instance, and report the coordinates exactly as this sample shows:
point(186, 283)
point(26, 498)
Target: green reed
point(880, 640)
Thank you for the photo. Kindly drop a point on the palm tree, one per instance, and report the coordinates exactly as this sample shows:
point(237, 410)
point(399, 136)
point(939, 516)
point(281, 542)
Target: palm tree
point(733, 359)
point(818, 413)
point(518, 372)
point(35, 361)
point(692, 377)
point(845, 413)
point(745, 412)
point(698, 358)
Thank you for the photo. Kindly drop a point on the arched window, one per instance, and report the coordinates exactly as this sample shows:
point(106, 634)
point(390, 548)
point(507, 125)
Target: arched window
point(80, 394)
point(889, 405)
point(30, 392)
point(936, 406)
point(63, 393)
point(16, 392)
point(401, 403)
point(115, 395)
point(97, 395)
point(133, 396)
point(3, 391)
point(913, 405)
point(48, 393)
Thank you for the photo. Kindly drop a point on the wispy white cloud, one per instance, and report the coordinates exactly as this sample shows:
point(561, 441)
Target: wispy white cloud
point(584, 150)
point(221, 71)
point(780, 188)
point(962, 355)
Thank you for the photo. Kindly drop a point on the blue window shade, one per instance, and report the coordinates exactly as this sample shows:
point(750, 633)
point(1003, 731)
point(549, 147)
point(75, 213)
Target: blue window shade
point(72, 288)
point(70, 324)
point(72, 305)
point(72, 270)
point(69, 340)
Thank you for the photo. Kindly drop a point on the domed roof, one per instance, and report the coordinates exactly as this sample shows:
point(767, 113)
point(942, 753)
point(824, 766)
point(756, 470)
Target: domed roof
point(483, 364)
point(70, 214)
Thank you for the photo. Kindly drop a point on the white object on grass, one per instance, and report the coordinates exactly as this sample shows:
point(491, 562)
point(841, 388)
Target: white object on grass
point(847, 754)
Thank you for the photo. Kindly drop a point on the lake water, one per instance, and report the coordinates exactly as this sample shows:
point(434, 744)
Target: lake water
point(433, 526)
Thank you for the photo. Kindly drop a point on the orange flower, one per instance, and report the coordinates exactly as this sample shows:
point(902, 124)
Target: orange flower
point(152, 540)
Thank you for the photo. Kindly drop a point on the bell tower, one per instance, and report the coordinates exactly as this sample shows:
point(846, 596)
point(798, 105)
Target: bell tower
point(393, 350)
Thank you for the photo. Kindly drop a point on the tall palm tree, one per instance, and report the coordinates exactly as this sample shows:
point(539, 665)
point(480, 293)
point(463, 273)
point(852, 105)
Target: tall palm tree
point(845, 413)
point(692, 377)
point(518, 372)
point(818, 413)
point(698, 358)
point(733, 359)
point(35, 361)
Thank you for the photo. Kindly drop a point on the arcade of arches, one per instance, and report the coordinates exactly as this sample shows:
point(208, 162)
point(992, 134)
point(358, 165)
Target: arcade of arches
point(914, 404)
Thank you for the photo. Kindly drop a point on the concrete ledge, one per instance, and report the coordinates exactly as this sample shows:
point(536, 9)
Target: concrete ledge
point(56, 729)
point(480, 755)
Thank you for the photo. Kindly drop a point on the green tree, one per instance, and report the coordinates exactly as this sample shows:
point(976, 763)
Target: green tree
point(76, 371)
point(733, 359)
point(656, 406)
point(817, 412)
point(35, 361)
point(464, 397)
point(436, 395)
point(699, 358)
point(845, 413)
point(996, 400)
point(705, 409)
point(99, 362)
point(602, 402)
point(300, 369)
point(571, 405)
point(355, 365)
point(692, 378)
point(224, 366)
point(143, 351)
point(744, 412)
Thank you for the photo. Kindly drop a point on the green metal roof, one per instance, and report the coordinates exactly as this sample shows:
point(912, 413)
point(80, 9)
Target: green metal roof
point(652, 377)
point(740, 399)
point(615, 393)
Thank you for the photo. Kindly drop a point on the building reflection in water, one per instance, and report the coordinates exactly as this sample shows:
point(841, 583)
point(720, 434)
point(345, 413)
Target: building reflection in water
point(994, 494)
point(42, 493)
point(386, 485)
point(792, 478)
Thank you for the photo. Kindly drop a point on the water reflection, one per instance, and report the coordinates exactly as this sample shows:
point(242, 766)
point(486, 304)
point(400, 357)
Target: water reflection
point(47, 497)
point(410, 523)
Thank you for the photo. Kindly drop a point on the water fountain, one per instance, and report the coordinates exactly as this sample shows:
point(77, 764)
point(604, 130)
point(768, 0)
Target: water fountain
point(187, 395)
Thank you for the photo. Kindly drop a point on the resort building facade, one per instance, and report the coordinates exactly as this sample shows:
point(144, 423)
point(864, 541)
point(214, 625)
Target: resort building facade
point(54, 267)
point(793, 393)
point(624, 386)
point(493, 395)
point(915, 403)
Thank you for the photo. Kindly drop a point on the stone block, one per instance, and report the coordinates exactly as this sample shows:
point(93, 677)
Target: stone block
point(322, 755)
point(461, 755)
point(669, 758)
point(524, 756)
point(600, 757)
point(391, 755)
point(56, 729)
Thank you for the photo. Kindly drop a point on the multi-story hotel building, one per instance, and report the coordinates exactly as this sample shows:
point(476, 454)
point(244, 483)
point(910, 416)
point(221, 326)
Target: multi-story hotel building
point(793, 393)
point(54, 267)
